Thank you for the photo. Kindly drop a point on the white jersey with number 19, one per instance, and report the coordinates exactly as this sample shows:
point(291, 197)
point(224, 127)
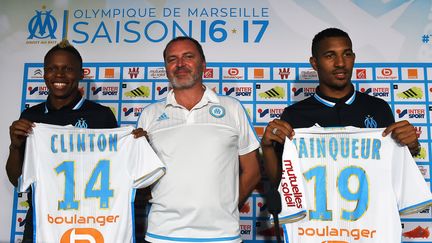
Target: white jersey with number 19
point(356, 185)
point(84, 182)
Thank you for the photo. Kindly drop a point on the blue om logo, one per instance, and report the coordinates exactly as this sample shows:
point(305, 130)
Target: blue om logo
point(81, 123)
point(369, 122)
point(42, 25)
point(217, 111)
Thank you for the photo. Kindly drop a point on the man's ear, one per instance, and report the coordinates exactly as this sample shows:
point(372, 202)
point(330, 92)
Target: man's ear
point(313, 63)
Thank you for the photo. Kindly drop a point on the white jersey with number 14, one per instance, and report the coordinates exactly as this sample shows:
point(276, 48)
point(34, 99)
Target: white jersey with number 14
point(84, 182)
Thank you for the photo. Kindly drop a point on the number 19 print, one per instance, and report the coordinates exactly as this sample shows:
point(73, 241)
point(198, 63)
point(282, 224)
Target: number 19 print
point(352, 184)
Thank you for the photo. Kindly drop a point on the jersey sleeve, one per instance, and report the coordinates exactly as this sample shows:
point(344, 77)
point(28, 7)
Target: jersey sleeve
point(412, 192)
point(30, 163)
point(147, 167)
point(248, 140)
point(144, 120)
point(291, 187)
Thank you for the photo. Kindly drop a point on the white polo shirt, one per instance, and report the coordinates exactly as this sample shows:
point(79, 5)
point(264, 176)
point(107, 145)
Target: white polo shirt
point(197, 198)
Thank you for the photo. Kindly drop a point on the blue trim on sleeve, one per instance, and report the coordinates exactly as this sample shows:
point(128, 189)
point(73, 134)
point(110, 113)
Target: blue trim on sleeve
point(193, 239)
point(293, 215)
point(34, 195)
point(133, 194)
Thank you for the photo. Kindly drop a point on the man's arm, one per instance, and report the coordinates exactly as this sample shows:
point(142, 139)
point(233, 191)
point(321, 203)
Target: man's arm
point(405, 134)
point(14, 164)
point(18, 133)
point(249, 175)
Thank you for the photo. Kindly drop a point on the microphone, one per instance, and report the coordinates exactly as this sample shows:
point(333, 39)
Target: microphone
point(274, 206)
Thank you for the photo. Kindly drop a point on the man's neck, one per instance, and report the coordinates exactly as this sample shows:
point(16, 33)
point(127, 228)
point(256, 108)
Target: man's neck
point(188, 98)
point(58, 103)
point(334, 93)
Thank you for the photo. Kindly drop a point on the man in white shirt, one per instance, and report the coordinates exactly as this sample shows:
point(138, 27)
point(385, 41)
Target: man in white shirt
point(209, 148)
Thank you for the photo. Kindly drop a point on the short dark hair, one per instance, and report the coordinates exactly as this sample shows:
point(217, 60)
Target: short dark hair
point(329, 32)
point(182, 38)
point(64, 45)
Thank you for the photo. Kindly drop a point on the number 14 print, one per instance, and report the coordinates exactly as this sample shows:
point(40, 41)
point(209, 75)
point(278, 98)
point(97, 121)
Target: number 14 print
point(100, 173)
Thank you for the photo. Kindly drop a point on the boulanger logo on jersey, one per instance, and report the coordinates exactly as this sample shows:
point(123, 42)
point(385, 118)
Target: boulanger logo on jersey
point(82, 234)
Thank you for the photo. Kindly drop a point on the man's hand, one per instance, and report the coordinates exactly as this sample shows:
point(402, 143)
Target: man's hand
point(276, 131)
point(18, 132)
point(405, 134)
point(139, 132)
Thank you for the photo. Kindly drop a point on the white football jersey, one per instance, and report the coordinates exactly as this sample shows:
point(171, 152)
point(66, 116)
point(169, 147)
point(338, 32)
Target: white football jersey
point(356, 185)
point(84, 181)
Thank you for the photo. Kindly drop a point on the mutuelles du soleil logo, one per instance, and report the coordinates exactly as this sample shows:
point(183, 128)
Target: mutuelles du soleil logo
point(42, 28)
